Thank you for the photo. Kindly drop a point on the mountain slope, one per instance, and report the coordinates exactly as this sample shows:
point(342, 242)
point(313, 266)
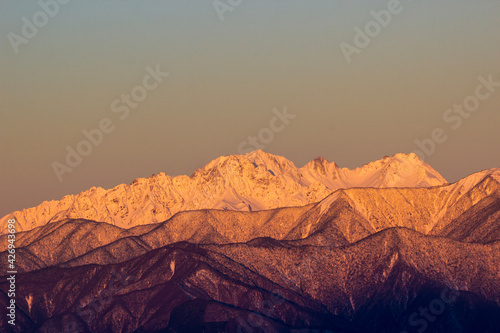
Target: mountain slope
point(255, 181)
point(466, 211)
point(389, 259)
point(374, 285)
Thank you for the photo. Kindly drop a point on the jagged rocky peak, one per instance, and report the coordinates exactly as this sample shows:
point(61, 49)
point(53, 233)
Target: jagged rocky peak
point(277, 164)
point(319, 161)
point(254, 162)
point(320, 165)
point(259, 179)
point(161, 177)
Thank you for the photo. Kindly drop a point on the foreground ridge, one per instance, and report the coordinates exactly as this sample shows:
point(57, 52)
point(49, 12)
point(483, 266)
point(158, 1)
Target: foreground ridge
point(374, 285)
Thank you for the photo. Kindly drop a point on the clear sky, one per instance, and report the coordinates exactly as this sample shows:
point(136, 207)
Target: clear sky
point(225, 78)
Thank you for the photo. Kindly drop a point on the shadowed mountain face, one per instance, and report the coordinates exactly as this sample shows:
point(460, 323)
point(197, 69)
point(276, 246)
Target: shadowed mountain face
point(374, 285)
point(406, 259)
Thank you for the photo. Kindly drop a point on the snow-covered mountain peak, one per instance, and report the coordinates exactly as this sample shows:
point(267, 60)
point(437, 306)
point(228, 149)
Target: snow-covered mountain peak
point(255, 181)
point(410, 156)
point(402, 170)
point(321, 166)
point(407, 159)
point(470, 181)
point(275, 163)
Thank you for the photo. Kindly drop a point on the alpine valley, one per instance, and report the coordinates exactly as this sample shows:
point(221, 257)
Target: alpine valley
point(253, 243)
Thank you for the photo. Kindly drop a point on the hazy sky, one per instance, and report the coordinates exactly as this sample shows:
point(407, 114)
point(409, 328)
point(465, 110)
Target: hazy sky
point(226, 77)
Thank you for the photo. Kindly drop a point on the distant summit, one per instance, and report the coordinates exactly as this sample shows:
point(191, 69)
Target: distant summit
point(255, 181)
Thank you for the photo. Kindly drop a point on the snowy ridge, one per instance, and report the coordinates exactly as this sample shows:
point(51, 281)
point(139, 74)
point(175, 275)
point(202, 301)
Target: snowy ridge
point(255, 181)
point(426, 210)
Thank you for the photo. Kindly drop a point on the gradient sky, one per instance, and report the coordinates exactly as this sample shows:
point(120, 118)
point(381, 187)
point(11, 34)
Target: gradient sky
point(225, 79)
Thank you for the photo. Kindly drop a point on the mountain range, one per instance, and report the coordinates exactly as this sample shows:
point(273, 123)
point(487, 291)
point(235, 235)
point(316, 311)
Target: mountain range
point(251, 243)
point(255, 181)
